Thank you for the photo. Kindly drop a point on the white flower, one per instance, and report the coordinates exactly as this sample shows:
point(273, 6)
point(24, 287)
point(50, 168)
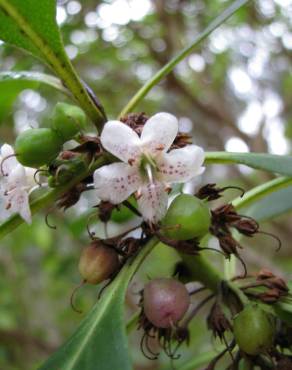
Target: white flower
point(16, 182)
point(147, 168)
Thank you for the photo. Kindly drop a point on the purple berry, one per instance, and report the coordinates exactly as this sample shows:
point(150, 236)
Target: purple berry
point(165, 302)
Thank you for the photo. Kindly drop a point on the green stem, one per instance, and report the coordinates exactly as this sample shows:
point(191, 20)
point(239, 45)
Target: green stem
point(261, 191)
point(133, 266)
point(200, 269)
point(60, 63)
point(229, 267)
point(182, 55)
point(45, 200)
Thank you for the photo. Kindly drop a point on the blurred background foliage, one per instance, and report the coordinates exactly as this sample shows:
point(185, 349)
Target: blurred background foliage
point(232, 93)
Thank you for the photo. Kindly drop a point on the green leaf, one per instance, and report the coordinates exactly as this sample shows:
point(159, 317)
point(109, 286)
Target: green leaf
point(9, 92)
point(281, 164)
point(31, 25)
point(30, 79)
point(271, 206)
point(267, 200)
point(101, 342)
point(261, 191)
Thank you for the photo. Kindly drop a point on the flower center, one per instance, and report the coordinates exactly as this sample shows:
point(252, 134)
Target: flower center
point(147, 168)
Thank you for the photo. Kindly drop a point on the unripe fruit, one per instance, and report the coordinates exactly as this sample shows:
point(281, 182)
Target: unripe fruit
point(123, 213)
point(38, 146)
point(187, 217)
point(68, 120)
point(67, 170)
point(254, 330)
point(165, 302)
point(97, 263)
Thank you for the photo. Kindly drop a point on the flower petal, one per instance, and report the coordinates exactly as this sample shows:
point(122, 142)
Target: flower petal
point(120, 140)
point(4, 213)
point(152, 201)
point(32, 177)
point(17, 177)
point(116, 182)
point(181, 165)
point(159, 132)
point(8, 163)
point(20, 204)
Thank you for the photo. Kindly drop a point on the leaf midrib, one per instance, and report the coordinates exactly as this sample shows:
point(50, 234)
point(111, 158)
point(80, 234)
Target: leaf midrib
point(107, 301)
point(62, 67)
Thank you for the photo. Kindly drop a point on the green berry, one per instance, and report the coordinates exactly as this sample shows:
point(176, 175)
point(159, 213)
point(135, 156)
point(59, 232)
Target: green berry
point(254, 330)
point(37, 147)
point(123, 213)
point(97, 263)
point(66, 170)
point(68, 120)
point(187, 217)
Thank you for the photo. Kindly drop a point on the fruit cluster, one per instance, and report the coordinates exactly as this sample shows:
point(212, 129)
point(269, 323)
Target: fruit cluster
point(40, 146)
point(166, 305)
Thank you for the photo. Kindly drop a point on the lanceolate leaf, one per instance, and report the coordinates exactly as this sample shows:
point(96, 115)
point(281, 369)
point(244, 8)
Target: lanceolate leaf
point(10, 89)
point(281, 164)
point(32, 77)
point(101, 342)
point(31, 25)
point(267, 200)
point(271, 206)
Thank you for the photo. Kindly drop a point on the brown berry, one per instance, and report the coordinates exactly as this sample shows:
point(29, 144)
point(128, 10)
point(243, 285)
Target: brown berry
point(97, 263)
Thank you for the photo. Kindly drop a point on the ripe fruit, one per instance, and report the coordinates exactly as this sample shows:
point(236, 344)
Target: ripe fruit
point(165, 302)
point(38, 146)
point(254, 330)
point(97, 263)
point(187, 217)
point(68, 120)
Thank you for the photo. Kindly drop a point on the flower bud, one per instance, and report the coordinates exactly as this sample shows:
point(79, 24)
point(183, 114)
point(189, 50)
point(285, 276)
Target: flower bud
point(165, 302)
point(64, 171)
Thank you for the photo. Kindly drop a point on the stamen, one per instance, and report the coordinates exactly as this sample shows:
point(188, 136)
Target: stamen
point(160, 147)
point(9, 192)
point(149, 173)
point(167, 189)
point(138, 194)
